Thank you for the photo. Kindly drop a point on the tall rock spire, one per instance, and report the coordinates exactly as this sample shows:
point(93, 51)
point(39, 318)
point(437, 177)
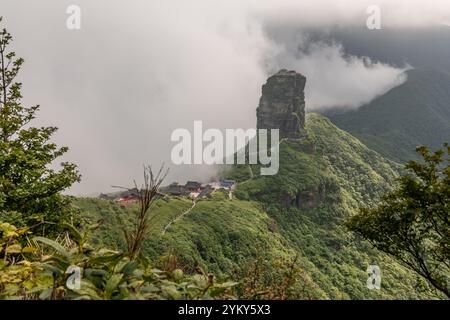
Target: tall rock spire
point(282, 104)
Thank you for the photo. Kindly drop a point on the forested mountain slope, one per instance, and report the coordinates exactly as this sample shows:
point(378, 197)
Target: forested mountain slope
point(414, 113)
point(298, 212)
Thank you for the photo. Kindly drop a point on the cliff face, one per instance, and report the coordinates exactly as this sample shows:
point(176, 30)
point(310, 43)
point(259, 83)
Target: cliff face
point(282, 104)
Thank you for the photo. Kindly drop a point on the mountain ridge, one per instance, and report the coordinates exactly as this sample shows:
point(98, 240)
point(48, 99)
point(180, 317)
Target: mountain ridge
point(415, 113)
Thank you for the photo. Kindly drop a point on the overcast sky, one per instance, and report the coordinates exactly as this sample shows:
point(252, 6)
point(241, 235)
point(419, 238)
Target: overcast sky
point(139, 69)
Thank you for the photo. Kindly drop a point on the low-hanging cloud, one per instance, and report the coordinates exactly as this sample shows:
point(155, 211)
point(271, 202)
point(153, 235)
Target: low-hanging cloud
point(338, 80)
point(139, 69)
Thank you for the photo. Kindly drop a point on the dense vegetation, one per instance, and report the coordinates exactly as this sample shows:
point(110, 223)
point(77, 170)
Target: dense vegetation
point(412, 224)
point(296, 215)
point(71, 268)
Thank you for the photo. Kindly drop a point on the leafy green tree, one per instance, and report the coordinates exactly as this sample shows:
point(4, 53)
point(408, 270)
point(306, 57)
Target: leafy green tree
point(30, 189)
point(412, 223)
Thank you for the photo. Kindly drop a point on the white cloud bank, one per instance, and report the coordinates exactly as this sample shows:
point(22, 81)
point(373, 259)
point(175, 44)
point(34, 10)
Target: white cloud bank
point(338, 80)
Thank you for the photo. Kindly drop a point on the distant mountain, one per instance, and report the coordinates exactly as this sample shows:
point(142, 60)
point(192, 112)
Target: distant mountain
point(420, 47)
point(427, 47)
point(414, 113)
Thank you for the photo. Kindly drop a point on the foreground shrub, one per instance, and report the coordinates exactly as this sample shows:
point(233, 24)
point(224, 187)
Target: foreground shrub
point(70, 268)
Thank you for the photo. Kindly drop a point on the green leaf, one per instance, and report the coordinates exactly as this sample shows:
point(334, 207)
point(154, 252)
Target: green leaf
point(112, 284)
point(29, 250)
point(76, 235)
point(129, 268)
point(55, 245)
point(228, 284)
point(171, 292)
point(15, 248)
point(46, 294)
point(54, 270)
point(87, 291)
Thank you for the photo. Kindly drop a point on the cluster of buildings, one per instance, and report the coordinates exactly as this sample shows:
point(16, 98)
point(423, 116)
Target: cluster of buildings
point(196, 189)
point(126, 196)
point(192, 189)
